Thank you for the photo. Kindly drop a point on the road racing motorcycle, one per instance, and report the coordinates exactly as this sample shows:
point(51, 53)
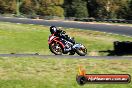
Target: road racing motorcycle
point(57, 46)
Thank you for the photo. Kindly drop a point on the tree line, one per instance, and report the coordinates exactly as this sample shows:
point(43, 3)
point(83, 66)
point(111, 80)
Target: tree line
point(99, 9)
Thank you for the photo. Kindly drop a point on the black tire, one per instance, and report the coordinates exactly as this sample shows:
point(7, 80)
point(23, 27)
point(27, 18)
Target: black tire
point(81, 52)
point(81, 80)
point(54, 51)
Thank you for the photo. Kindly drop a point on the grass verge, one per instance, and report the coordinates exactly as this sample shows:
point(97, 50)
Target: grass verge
point(58, 73)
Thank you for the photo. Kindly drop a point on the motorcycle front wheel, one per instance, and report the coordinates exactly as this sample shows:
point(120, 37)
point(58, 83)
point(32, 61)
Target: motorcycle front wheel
point(81, 51)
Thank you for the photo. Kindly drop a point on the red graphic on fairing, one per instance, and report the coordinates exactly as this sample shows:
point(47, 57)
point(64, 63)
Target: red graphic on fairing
point(53, 38)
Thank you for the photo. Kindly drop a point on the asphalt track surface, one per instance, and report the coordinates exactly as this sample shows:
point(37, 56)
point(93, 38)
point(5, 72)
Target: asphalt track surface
point(63, 56)
point(123, 30)
point(117, 29)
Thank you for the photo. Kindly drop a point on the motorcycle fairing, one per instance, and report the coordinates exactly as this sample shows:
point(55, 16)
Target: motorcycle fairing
point(53, 38)
point(78, 46)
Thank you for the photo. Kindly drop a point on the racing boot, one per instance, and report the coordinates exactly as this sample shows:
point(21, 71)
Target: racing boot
point(66, 50)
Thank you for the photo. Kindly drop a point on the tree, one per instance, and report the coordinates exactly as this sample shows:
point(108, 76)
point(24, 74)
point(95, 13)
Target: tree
point(125, 11)
point(105, 8)
point(7, 6)
point(75, 8)
point(27, 7)
point(80, 8)
point(69, 11)
point(2, 6)
point(51, 8)
point(96, 8)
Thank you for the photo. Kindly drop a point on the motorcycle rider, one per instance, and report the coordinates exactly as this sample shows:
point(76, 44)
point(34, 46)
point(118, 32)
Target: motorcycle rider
point(62, 35)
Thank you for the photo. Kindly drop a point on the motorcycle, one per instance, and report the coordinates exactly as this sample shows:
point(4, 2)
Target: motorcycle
point(57, 46)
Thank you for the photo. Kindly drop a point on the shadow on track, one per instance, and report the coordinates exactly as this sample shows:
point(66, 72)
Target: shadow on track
point(120, 49)
point(115, 53)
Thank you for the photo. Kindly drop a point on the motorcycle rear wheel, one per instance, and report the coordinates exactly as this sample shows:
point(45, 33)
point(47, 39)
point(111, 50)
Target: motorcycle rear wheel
point(56, 48)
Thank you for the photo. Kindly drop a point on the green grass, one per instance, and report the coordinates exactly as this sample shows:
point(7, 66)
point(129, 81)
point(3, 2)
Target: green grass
point(20, 38)
point(54, 73)
point(57, 73)
point(24, 38)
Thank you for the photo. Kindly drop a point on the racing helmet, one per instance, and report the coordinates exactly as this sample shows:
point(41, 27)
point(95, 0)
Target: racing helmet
point(53, 29)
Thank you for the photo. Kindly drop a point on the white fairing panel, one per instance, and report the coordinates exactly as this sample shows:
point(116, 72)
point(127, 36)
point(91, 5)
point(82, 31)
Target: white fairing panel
point(78, 46)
